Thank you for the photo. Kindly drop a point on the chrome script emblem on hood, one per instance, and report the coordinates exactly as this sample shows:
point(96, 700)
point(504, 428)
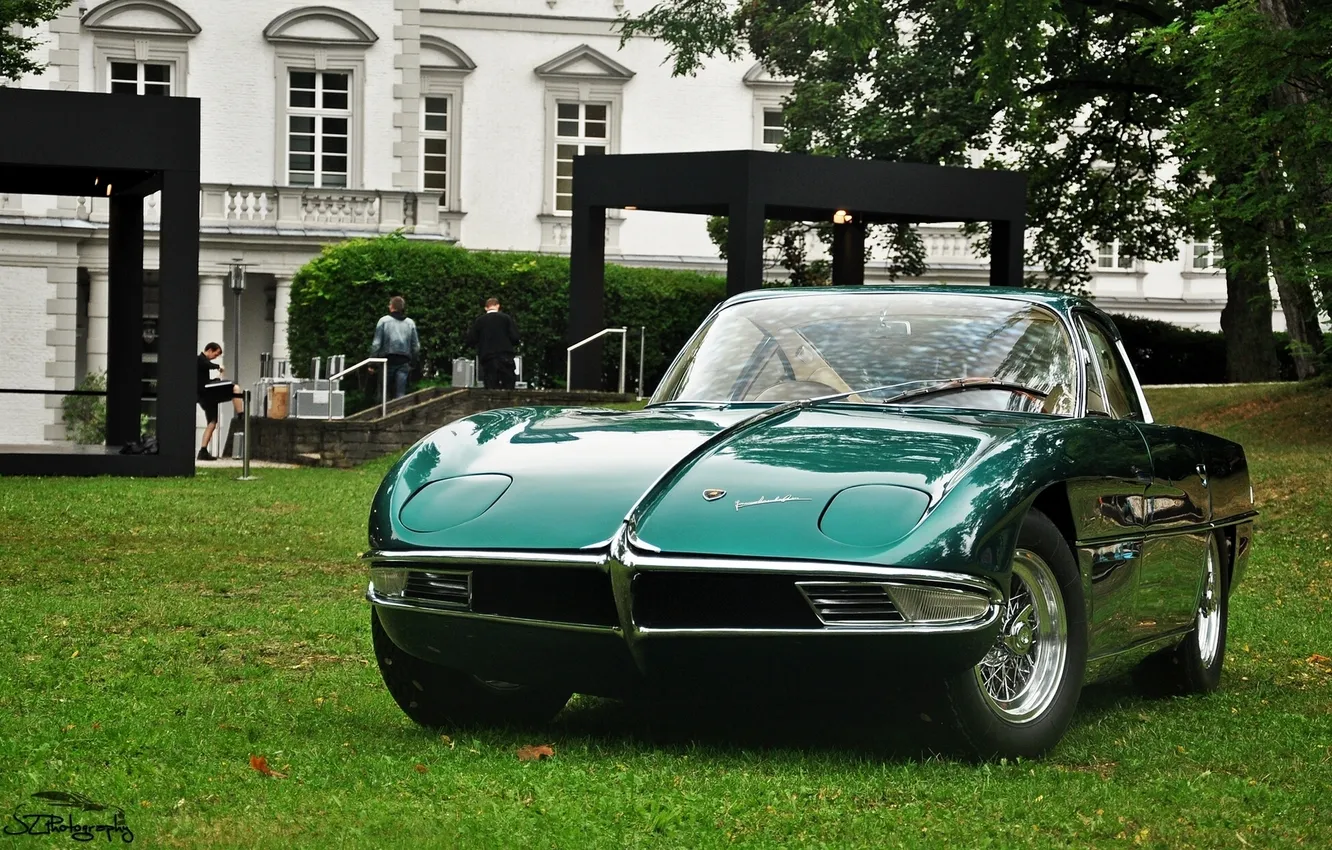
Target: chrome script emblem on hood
point(787, 498)
point(713, 494)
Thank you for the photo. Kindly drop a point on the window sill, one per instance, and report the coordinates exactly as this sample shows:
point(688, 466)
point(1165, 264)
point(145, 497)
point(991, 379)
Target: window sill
point(1119, 272)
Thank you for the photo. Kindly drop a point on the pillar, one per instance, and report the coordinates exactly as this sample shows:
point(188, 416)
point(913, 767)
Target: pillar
point(124, 349)
point(98, 282)
point(212, 309)
point(744, 247)
point(1007, 252)
point(587, 291)
point(848, 254)
point(282, 300)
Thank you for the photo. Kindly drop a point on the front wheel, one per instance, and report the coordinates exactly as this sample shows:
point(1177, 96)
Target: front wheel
point(437, 696)
point(1020, 698)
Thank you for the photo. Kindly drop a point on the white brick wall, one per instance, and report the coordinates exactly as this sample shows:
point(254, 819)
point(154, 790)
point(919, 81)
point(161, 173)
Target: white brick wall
point(24, 354)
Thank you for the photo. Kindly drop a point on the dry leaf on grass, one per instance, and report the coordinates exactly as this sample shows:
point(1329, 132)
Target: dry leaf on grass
point(530, 753)
point(420, 768)
point(260, 764)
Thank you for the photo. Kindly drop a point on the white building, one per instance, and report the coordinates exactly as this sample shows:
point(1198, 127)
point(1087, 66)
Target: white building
point(453, 119)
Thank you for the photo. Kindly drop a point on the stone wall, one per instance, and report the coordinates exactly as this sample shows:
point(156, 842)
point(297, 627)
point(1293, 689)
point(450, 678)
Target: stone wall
point(363, 436)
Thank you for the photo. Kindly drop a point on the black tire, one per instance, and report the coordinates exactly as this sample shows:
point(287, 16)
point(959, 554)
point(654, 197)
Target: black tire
point(999, 718)
point(1194, 666)
point(437, 696)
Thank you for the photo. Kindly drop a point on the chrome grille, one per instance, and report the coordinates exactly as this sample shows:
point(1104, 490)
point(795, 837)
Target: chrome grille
point(446, 590)
point(850, 603)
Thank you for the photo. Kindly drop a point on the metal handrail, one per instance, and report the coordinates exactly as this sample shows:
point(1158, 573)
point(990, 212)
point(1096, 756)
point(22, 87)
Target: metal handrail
point(383, 395)
point(568, 354)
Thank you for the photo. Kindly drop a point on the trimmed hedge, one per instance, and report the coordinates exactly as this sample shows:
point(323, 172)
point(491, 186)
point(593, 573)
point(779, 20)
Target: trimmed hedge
point(1163, 353)
point(338, 296)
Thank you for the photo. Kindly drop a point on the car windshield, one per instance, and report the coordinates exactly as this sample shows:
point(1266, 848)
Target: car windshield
point(952, 350)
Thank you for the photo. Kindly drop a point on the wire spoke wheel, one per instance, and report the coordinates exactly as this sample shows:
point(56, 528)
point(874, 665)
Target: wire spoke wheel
point(1209, 612)
point(1021, 674)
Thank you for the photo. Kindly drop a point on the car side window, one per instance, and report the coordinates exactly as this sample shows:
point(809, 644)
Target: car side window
point(1114, 394)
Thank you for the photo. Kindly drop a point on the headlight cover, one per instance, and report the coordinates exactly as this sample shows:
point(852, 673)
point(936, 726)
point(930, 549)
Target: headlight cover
point(873, 514)
point(443, 504)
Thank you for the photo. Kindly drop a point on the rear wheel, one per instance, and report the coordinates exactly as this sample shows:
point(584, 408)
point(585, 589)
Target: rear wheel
point(1194, 666)
point(1020, 698)
point(434, 695)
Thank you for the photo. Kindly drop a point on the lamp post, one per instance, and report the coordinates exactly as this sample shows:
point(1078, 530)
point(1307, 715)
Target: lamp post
point(237, 287)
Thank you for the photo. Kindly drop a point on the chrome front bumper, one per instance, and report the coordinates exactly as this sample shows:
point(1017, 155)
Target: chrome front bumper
point(621, 610)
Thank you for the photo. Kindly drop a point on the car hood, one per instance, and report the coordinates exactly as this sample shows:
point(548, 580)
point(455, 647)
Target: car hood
point(554, 479)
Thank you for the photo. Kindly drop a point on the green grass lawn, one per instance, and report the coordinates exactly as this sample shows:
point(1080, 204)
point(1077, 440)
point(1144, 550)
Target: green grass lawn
point(158, 633)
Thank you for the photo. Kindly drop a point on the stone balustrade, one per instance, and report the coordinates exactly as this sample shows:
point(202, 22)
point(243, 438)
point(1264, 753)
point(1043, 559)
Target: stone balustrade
point(947, 245)
point(295, 208)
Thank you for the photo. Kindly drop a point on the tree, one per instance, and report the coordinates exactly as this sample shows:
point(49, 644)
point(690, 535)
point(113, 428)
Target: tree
point(1081, 109)
point(1260, 112)
point(1064, 91)
point(15, 48)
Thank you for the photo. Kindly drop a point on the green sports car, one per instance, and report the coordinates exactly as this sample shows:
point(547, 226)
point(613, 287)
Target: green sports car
point(832, 490)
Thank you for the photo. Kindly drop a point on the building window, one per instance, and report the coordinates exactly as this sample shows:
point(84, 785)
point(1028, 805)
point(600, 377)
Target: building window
point(140, 78)
point(318, 127)
point(1108, 256)
point(1206, 255)
point(774, 130)
point(580, 128)
point(435, 134)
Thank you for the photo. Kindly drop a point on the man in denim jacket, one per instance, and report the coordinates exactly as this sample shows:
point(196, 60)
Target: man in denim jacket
point(396, 339)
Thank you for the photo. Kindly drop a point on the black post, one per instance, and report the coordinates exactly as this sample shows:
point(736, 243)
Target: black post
point(1006, 252)
point(124, 343)
point(744, 247)
point(179, 327)
point(587, 289)
point(848, 253)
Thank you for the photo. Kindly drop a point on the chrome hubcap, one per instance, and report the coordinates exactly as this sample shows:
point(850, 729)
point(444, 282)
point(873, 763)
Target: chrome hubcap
point(1021, 673)
point(1209, 613)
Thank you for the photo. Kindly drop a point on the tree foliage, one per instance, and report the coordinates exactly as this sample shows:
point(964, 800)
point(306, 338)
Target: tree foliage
point(1260, 121)
point(15, 48)
point(1062, 92)
point(1137, 122)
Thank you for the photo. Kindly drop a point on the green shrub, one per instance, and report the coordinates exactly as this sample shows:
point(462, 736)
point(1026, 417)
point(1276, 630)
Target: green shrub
point(1164, 353)
point(85, 415)
point(338, 296)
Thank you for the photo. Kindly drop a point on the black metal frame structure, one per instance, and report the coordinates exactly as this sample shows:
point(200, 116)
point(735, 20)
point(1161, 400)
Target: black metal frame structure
point(121, 147)
point(750, 187)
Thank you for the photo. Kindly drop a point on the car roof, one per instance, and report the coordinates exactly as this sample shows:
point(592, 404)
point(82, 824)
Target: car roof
point(1063, 302)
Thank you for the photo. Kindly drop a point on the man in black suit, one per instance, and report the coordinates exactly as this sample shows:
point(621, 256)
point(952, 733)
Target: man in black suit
point(494, 334)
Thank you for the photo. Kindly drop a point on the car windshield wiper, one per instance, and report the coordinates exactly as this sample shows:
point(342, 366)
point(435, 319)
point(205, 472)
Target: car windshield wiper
point(966, 384)
point(819, 399)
